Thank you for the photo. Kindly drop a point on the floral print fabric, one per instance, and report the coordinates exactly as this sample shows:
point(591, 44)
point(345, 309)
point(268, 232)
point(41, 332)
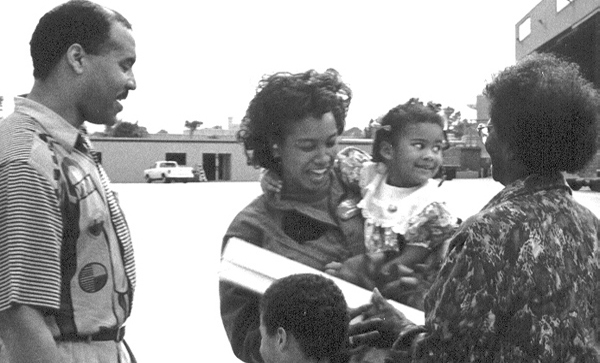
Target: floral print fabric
point(521, 282)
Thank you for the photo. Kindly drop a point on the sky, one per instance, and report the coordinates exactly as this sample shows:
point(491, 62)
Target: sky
point(201, 60)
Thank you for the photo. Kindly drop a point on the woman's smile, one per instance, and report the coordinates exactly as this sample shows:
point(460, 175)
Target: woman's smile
point(308, 153)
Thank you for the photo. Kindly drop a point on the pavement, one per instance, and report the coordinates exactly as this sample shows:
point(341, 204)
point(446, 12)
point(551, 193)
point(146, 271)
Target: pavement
point(177, 231)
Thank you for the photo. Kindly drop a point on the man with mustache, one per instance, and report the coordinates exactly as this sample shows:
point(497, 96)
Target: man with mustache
point(67, 272)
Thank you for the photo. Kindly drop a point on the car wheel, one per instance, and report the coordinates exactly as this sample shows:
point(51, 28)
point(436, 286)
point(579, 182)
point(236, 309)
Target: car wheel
point(148, 180)
point(165, 179)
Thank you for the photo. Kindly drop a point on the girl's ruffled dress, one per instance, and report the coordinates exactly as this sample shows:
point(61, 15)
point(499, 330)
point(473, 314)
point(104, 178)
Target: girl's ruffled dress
point(398, 217)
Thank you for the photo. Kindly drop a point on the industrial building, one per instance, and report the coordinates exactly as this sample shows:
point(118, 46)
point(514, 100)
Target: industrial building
point(222, 159)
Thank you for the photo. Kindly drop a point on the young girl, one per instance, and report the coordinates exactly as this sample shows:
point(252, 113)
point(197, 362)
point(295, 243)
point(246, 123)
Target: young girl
point(406, 224)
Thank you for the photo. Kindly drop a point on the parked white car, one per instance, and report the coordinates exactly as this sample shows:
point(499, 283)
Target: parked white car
point(168, 171)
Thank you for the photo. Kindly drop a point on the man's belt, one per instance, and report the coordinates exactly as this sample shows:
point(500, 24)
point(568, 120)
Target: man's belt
point(114, 334)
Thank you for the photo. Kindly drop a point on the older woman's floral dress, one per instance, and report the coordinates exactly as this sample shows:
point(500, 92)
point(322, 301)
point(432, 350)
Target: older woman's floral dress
point(521, 282)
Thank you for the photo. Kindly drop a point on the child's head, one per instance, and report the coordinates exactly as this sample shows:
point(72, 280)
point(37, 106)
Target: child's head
point(410, 142)
point(303, 316)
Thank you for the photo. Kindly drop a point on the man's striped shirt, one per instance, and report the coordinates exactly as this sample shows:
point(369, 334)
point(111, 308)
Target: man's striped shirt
point(30, 220)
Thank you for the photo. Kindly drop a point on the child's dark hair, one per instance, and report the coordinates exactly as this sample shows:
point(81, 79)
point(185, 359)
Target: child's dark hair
point(313, 309)
point(399, 117)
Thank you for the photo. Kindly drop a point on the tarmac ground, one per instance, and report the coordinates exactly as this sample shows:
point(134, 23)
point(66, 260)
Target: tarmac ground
point(177, 231)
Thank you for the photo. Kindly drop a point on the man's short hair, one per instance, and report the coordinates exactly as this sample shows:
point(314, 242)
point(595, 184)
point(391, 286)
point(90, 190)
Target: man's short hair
point(74, 22)
point(312, 309)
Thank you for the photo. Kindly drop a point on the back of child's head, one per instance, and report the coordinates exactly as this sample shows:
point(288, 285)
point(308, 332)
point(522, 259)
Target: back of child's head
point(313, 310)
point(395, 122)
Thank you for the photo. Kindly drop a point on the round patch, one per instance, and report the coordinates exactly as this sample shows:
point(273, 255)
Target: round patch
point(93, 277)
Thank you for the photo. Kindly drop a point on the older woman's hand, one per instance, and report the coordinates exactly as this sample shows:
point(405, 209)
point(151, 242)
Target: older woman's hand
point(407, 281)
point(381, 324)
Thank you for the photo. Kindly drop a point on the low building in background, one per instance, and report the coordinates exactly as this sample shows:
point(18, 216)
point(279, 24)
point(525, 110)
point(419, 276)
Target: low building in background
point(221, 158)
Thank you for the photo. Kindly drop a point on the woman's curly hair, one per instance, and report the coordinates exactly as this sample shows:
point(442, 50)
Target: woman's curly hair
point(283, 99)
point(546, 112)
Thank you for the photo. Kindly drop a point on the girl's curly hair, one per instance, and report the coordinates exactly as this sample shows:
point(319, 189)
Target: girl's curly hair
point(547, 113)
point(398, 118)
point(283, 99)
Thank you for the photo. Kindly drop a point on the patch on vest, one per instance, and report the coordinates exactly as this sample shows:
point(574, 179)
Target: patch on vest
point(93, 277)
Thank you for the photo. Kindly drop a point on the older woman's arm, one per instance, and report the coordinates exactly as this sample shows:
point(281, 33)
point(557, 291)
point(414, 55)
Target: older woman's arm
point(463, 309)
point(459, 315)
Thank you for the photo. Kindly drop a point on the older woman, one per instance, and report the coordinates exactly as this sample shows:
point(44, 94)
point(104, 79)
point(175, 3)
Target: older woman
point(291, 127)
point(521, 282)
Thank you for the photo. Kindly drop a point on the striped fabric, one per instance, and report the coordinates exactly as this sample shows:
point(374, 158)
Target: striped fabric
point(30, 228)
point(116, 215)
